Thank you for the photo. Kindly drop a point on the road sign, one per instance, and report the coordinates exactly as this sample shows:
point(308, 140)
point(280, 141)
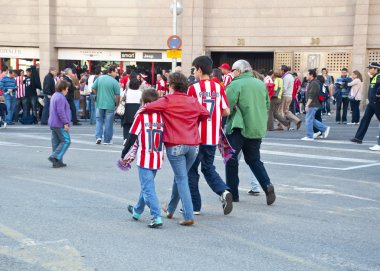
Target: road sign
point(174, 42)
point(174, 53)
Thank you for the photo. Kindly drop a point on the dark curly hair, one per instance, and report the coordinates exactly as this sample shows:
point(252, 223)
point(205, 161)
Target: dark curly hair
point(178, 82)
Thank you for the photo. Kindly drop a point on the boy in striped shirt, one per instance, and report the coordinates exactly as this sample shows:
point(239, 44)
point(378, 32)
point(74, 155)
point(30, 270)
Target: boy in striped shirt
point(212, 96)
point(147, 129)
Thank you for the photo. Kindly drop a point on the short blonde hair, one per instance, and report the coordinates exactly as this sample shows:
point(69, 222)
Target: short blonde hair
point(2, 100)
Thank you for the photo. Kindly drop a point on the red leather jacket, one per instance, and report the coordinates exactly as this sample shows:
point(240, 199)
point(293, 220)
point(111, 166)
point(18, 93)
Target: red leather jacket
point(182, 115)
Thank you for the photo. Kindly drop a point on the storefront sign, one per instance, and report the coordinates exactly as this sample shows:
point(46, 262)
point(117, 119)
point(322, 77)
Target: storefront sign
point(148, 55)
point(112, 55)
point(19, 52)
point(128, 55)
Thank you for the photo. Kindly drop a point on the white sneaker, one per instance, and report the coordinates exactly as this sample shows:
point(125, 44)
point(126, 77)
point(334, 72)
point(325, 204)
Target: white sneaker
point(307, 138)
point(328, 114)
point(98, 141)
point(5, 125)
point(108, 143)
point(375, 148)
point(326, 133)
point(317, 134)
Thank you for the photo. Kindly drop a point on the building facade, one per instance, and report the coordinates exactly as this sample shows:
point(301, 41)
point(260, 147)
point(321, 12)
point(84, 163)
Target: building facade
point(302, 34)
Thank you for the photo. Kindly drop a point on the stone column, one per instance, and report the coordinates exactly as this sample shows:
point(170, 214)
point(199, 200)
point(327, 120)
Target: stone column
point(192, 32)
point(360, 52)
point(47, 33)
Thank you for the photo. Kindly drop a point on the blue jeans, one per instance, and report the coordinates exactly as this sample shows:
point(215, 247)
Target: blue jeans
point(106, 117)
point(311, 121)
point(76, 103)
point(45, 110)
point(10, 102)
point(206, 158)
point(60, 141)
point(148, 194)
point(92, 109)
point(181, 158)
point(378, 140)
point(251, 151)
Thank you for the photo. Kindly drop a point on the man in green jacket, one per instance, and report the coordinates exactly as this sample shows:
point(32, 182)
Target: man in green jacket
point(246, 126)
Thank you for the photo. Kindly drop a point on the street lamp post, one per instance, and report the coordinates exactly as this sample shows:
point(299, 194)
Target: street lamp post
point(176, 9)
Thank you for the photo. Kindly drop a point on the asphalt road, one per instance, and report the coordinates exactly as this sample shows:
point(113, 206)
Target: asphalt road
point(326, 217)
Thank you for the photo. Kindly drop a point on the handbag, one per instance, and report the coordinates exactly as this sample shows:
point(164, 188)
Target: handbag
point(120, 110)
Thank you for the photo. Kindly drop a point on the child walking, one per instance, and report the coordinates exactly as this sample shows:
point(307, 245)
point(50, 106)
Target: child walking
point(3, 111)
point(59, 119)
point(147, 129)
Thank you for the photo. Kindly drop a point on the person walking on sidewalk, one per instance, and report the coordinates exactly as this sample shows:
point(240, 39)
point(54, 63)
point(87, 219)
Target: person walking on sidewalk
point(246, 126)
point(212, 97)
point(59, 122)
point(182, 115)
point(107, 91)
point(373, 107)
point(287, 95)
point(148, 130)
point(312, 106)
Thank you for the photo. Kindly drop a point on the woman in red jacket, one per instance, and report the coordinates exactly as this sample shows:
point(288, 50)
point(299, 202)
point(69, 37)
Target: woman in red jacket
point(182, 115)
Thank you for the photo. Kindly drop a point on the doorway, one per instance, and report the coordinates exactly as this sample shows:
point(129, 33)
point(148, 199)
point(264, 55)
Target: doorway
point(259, 60)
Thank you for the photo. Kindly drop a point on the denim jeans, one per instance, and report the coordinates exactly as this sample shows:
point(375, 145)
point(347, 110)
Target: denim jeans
point(378, 139)
point(355, 111)
point(10, 102)
point(60, 141)
point(32, 101)
point(104, 117)
point(339, 103)
point(92, 109)
point(251, 151)
point(45, 110)
point(76, 103)
point(148, 194)
point(181, 158)
point(371, 109)
point(312, 122)
point(206, 158)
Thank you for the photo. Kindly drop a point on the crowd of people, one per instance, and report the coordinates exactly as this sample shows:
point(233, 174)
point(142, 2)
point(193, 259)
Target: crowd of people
point(190, 117)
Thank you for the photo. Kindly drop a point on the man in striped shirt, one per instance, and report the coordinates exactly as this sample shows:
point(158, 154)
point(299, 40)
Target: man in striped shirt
point(212, 96)
point(20, 96)
point(227, 74)
point(148, 128)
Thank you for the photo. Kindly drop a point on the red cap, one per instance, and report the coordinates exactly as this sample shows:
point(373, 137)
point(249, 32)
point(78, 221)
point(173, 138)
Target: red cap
point(225, 66)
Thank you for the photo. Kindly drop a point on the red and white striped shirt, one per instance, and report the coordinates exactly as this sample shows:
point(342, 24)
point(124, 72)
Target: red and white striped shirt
point(20, 87)
point(213, 97)
point(149, 128)
point(227, 79)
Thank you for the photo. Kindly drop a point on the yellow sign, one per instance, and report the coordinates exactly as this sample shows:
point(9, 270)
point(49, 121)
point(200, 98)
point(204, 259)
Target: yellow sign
point(174, 53)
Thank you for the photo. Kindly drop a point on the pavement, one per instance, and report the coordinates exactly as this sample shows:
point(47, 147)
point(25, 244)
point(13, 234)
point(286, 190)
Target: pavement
point(326, 216)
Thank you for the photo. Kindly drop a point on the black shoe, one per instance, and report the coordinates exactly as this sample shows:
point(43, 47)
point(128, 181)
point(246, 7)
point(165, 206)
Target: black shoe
point(226, 199)
point(271, 196)
point(134, 216)
point(355, 140)
point(253, 193)
point(155, 223)
point(60, 162)
point(53, 160)
point(77, 123)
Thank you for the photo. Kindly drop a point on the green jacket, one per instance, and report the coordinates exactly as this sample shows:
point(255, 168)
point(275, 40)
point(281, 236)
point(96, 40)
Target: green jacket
point(252, 100)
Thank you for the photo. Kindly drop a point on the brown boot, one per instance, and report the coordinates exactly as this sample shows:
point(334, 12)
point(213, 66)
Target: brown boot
point(186, 222)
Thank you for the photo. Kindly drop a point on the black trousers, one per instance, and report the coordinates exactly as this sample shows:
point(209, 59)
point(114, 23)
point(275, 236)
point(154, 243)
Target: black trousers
point(339, 103)
point(371, 109)
point(251, 151)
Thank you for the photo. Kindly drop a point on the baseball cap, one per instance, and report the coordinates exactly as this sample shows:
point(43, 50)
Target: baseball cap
point(374, 65)
point(225, 66)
